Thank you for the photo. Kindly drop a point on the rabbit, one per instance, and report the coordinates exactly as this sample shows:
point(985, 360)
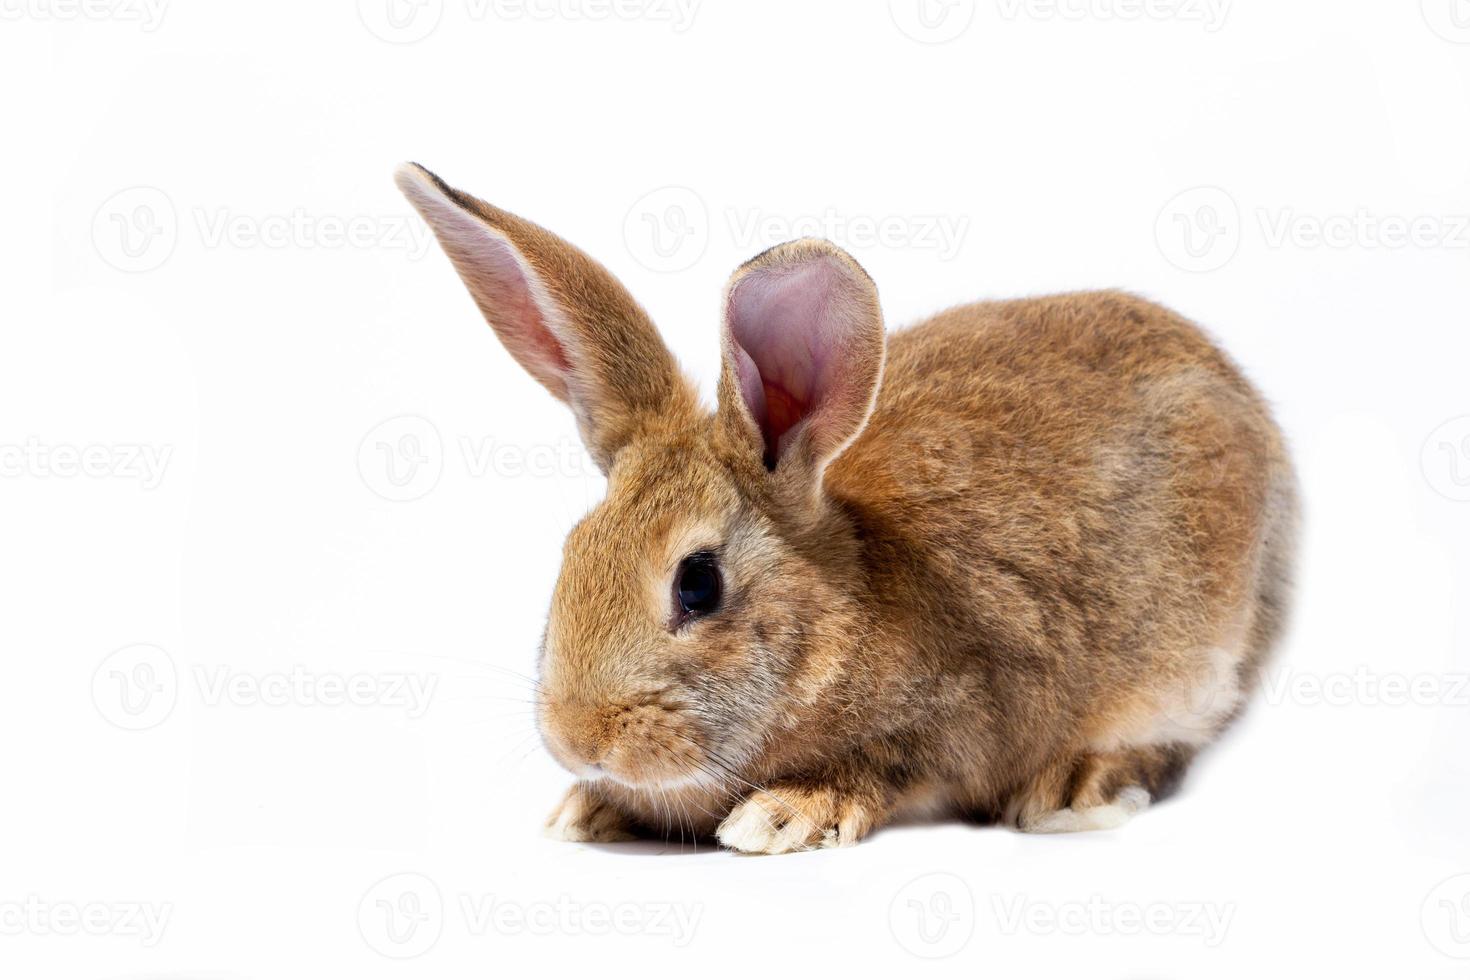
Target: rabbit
point(1015, 564)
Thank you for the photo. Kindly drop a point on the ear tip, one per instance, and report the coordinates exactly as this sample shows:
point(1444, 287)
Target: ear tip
point(797, 249)
point(817, 244)
point(806, 253)
point(409, 177)
point(414, 179)
point(800, 251)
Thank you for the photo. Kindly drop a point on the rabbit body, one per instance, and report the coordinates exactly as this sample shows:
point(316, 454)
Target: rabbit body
point(1018, 563)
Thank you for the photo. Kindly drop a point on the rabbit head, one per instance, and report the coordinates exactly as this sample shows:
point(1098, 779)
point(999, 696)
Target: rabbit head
point(703, 604)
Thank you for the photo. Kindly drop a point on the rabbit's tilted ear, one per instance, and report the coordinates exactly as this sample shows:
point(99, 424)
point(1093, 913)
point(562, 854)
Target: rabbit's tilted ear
point(803, 355)
point(560, 314)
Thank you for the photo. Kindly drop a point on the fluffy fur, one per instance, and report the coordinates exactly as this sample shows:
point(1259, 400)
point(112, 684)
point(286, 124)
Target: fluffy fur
point(1026, 577)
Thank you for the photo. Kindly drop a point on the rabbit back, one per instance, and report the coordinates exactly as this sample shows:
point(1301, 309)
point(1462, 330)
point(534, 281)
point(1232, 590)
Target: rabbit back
point(1079, 503)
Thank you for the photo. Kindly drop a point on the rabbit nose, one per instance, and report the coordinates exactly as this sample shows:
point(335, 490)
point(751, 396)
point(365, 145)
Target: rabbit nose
point(589, 750)
point(580, 730)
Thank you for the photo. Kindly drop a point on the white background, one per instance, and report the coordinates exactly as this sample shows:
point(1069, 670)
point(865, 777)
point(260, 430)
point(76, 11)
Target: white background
point(203, 388)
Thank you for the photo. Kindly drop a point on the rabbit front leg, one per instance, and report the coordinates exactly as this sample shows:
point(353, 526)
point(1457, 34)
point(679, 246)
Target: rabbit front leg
point(585, 814)
point(801, 815)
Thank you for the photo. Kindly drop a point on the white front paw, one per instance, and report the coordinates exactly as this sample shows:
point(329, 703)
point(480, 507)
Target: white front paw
point(584, 816)
point(778, 822)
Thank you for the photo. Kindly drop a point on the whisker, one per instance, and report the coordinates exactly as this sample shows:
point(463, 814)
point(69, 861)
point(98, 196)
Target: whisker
point(731, 774)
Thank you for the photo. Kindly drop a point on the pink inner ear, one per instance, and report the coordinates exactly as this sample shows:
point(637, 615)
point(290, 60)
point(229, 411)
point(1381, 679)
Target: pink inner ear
point(788, 331)
point(504, 287)
point(501, 287)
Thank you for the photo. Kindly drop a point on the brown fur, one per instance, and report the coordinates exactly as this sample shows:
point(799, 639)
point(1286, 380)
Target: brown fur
point(1043, 571)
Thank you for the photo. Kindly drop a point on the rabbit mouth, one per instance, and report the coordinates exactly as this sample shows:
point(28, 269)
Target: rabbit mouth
point(666, 784)
point(643, 745)
point(635, 767)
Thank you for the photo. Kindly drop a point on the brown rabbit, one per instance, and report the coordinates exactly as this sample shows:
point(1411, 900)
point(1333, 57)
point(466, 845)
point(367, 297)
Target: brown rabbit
point(1021, 568)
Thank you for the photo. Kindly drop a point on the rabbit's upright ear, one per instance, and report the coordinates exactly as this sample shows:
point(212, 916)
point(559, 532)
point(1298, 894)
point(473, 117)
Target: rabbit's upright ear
point(803, 355)
point(560, 314)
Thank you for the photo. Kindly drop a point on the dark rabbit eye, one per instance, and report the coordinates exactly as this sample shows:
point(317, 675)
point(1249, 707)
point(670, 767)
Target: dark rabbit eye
point(697, 586)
